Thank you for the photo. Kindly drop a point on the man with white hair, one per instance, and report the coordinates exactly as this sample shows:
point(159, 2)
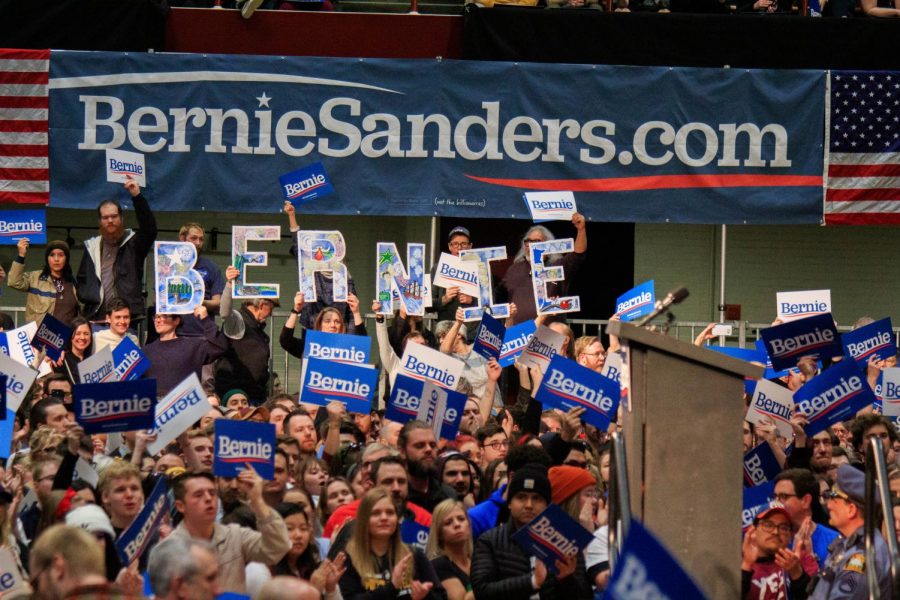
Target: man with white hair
point(183, 568)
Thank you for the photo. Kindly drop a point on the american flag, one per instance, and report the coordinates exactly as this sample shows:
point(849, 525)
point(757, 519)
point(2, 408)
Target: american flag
point(24, 170)
point(863, 183)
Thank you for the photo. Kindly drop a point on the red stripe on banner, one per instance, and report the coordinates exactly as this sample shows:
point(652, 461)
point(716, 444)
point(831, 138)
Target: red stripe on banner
point(23, 126)
point(24, 76)
point(25, 197)
point(862, 194)
point(25, 174)
point(656, 182)
point(23, 150)
point(862, 218)
point(863, 170)
point(23, 54)
point(24, 102)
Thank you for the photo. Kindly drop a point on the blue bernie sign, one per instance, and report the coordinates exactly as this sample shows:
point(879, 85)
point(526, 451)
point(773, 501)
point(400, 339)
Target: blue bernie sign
point(115, 406)
point(636, 302)
point(242, 443)
point(326, 380)
point(405, 404)
point(306, 184)
point(489, 338)
point(553, 536)
point(836, 394)
point(814, 336)
point(567, 384)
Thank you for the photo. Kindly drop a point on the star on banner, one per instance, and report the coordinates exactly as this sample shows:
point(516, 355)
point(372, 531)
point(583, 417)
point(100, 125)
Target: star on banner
point(263, 100)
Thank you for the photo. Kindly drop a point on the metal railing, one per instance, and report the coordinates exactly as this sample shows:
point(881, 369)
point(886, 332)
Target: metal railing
point(877, 482)
point(619, 500)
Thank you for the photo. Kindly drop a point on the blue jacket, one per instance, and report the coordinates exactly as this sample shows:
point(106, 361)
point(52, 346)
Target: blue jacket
point(484, 515)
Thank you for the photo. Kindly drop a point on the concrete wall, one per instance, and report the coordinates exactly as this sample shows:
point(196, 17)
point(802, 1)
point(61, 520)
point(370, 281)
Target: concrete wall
point(856, 263)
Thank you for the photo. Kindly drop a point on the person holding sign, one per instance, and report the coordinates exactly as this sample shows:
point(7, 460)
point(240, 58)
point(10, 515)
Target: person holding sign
point(50, 290)
point(517, 287)
point(245, 364)
point(453, 339)
point(113, 262)
point(118, 316)
point(78, 348)
point(502, 569)
point(173, 357)
point(379, 564)
point(447, 301)
point(328, 320)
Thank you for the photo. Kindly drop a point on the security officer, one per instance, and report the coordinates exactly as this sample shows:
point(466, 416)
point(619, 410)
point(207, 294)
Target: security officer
point(844, 575)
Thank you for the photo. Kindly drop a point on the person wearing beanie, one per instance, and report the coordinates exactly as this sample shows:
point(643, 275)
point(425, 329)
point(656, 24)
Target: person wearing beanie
point(50, 290)
point(502, 569)
point(95, 521)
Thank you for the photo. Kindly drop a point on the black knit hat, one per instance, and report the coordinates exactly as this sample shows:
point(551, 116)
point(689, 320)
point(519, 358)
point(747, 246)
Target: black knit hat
point(530, 478)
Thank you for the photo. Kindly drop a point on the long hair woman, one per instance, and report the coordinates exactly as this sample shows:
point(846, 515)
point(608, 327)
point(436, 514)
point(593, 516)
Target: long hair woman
point(329, 320)
point(51, 290)
point(77, 349)
point(302, 560)
point(450, 548)
point(379, 564)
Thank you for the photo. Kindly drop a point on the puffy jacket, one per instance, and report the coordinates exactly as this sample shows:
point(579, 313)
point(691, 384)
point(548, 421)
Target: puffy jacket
point(129, 265)
point(501, 570)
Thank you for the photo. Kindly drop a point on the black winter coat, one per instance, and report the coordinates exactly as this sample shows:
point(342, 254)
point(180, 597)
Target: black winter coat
point(501, 570)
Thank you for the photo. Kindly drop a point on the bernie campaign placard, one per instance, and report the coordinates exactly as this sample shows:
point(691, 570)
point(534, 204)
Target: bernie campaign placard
point(550, 206)
point(553, 536)
point(834, 395)
point(339, 347)
point(814, 336)
point(760, 465)
point(427, 364)
point(755, 500)
point(353, 385)
point(135, 540)
point(646, 569)
point(12, 583)
point(515, 339)
point(19, 379)
point(98, 367)
point(178, 410)
point(117, 406)
point(3, 380)
point(566, 385)
point(414, 534)
point(51, 336)
point(890, 391)
point(16, 344)
point(306, 184)
point(6, 433)
point(242, 443)
point(489, 337)
point(543, 346)
point(405, 404)
point(791, 306)
point(875, 339)
point(23, 224)
point(130, 363)
point(453, 271)
point(120, 165)
point(636, 302)
point(772, 403)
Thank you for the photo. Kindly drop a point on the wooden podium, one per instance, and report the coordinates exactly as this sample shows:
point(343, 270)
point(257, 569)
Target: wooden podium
point(682, 434)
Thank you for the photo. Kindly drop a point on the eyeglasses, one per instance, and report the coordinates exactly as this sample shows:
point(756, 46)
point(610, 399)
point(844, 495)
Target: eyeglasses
point(497, 445)
point(593, 353)
point(460, 244)
point(770, 527)
point(783, 497)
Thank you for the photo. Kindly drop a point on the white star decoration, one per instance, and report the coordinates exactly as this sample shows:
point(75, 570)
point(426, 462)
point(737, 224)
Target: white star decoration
point(263, 100)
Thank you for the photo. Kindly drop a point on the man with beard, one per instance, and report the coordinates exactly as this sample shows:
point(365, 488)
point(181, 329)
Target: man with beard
point(419, 447)
point(231, 496)
point(471, 418)
point(455, 471)
point(300, 426)
point(390, 474)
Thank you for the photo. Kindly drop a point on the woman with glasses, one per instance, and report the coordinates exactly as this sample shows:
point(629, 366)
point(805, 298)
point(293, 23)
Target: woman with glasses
point(446, 300)
point(379, 564)
point(516, 286)
point(450, 548)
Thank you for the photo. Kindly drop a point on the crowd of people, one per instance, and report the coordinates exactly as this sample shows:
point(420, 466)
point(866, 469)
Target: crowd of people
point(360, 506)
point(332, 521)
